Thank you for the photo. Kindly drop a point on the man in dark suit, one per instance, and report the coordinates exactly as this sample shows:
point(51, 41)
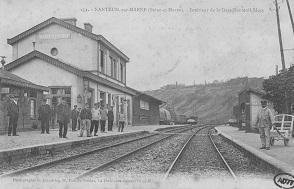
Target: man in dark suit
point(74, 118)
point(110, 118)
point(44, 116)
point(12, 113)
point(63, 117)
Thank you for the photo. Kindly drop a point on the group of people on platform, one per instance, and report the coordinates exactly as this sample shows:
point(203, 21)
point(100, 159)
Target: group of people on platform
point(89, 120)
point(85, 119)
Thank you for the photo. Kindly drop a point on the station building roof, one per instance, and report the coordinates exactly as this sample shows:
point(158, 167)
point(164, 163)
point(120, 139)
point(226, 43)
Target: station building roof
point(69, 26)
point(11, 79)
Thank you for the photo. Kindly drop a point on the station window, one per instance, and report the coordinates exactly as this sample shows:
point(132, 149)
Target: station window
point(144, 105)
point(54, 51)
point(54, 90)
point(115, 68)
point(243, 107)
point(112, 67)
point(67, 90)
point(102, 63)
point(33, 108)
point(33, 94)
point(102, 98)
point(121, 72)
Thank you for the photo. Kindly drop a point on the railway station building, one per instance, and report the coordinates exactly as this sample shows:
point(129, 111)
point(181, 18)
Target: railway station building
point(74, 63)
point(27, 95)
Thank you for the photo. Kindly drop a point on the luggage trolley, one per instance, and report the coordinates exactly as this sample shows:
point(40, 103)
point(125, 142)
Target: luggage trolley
point(283, 129)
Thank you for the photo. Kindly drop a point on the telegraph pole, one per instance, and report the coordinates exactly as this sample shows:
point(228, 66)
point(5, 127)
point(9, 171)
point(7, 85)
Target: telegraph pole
point(280, 37)
point(290, 14)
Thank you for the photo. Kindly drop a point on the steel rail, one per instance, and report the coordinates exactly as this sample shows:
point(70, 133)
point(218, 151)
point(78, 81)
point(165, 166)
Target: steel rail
point(222, 157)
point(101, 167)
point(171, 167)
point(42, 165)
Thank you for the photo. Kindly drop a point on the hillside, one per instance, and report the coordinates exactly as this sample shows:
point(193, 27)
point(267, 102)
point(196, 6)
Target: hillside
point(212, 101)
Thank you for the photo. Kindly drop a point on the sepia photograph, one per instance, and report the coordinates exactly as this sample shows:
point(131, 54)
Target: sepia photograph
point(147, 94)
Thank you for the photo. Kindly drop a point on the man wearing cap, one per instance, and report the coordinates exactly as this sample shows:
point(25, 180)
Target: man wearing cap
point(12, 113)
point(264, 121)
point(44, 116)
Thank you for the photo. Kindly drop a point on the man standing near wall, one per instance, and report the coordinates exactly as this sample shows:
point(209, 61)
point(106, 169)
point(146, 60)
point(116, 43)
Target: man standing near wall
point(264, 121)
point(95, 119)
point(44, 112)
point(12, 113)
point(110, 117)
point(63, 116)
point(74, 118)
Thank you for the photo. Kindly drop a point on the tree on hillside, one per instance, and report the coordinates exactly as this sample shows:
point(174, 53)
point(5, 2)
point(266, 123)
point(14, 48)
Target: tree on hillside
point(279, 89)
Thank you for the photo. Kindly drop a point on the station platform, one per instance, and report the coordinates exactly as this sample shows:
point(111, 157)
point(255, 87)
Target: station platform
point(279, 156)
point(28, 142)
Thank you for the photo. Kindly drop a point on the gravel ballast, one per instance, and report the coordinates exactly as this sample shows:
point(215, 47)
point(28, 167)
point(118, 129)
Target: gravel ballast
point(35, 160)
point(200, 159)
point(74, 167)
point(153, 160)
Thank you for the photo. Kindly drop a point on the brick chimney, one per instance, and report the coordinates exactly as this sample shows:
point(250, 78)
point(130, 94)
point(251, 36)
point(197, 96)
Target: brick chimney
point(88, 27)
point(72, 21)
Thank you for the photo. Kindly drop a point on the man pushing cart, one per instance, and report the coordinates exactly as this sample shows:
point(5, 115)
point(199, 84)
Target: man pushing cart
point(264, 122)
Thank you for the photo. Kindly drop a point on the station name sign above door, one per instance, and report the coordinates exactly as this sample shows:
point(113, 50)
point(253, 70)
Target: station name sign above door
point(48, 36)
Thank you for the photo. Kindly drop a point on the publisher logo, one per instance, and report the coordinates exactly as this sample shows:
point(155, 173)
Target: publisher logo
point(284, 180)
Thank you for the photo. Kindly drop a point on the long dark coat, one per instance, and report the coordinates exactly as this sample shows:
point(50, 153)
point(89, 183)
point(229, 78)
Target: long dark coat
point(44, 112)
point(63, 113)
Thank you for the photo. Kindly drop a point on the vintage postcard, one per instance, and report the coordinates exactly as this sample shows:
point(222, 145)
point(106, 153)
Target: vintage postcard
point(146, 94)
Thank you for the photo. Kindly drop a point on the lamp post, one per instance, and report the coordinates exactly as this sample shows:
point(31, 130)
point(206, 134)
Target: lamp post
point(290, 14)
point(280, 36)
point(79, 98)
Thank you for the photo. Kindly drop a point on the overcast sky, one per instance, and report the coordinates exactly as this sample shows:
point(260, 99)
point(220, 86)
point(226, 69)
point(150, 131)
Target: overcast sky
point(208, 43)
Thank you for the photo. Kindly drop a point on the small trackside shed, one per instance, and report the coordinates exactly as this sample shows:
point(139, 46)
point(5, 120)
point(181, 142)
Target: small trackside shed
point(146, 109)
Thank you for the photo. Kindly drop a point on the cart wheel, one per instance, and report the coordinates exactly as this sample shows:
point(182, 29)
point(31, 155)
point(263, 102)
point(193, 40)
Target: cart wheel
point(272, 141)
point(286, 141)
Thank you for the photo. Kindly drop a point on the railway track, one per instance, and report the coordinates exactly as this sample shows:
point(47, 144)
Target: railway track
point(135, 151)
point(57, 166)
point(178, 166)
point(147, 162)
point(194, 151)
point(227, 166)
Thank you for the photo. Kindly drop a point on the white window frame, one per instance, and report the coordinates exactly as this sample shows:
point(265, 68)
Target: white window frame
point(144, 105)
point(121, 70)
point(33, 107)
point(102, 58)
